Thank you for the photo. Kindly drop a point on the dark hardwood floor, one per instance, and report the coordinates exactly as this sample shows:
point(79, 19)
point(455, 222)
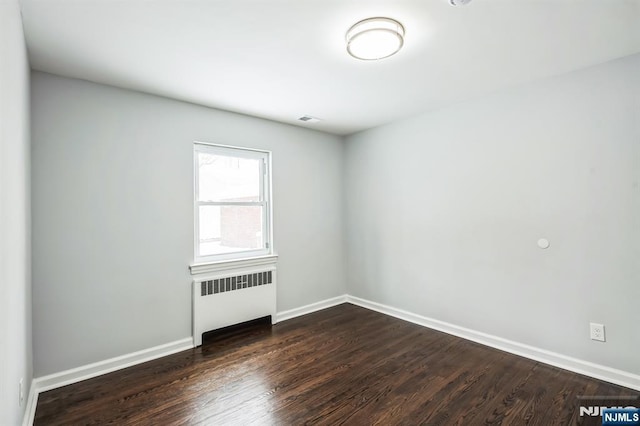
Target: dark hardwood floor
point(344, 365)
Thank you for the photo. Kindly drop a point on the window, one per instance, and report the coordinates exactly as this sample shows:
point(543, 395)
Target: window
point(232, 203)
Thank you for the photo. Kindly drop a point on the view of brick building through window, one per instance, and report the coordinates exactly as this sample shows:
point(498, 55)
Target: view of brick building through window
point(241, 226)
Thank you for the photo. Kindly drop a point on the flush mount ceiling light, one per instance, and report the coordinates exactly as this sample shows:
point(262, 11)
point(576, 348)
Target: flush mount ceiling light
point(375, 38)
point(459, 2)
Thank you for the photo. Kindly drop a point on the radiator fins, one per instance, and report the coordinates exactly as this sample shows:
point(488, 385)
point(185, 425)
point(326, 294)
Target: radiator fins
point(238, 282)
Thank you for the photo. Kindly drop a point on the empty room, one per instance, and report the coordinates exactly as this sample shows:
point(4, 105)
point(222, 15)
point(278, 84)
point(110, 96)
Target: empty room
point(278, 212)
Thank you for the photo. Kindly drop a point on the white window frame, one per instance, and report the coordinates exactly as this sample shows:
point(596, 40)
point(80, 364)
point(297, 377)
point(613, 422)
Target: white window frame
point(265, 200)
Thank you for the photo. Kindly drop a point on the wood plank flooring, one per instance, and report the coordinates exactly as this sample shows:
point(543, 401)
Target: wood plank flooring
point(343, 365)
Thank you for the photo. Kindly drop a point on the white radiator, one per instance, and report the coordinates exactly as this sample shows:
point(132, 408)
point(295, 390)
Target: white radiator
point(231, 297)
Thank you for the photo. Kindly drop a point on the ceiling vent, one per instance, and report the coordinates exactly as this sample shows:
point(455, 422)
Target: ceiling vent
point(309, 119)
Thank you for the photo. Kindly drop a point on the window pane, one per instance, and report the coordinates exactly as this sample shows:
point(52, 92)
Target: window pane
point(223, 178)
point(229, 229)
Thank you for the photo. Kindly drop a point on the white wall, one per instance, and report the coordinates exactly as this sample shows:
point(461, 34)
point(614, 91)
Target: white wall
point(113, 216)
point(444, 211)
point(15, 281)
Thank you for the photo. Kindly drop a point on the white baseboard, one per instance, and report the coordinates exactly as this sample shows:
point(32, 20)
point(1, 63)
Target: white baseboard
point(89, 371)
point(74, 375)
point(30, 409)
point(313, 307)
point(601, 372)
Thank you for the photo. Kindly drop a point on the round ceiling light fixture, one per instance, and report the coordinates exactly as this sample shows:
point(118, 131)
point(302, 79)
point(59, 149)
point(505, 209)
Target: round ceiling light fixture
point(375, 38)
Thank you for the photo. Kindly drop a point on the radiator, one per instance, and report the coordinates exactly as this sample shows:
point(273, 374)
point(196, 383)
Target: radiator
point(232, 297)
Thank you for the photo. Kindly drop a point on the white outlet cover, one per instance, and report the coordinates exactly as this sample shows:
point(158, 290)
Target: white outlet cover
point(597, 332)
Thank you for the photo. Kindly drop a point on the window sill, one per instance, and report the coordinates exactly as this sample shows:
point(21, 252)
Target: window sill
point(222, 265)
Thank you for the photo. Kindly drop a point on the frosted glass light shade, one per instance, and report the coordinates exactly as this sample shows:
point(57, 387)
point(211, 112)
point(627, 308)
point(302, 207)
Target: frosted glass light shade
point(375, 38)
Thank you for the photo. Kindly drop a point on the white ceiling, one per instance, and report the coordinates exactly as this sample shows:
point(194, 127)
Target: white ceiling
point(282, 59)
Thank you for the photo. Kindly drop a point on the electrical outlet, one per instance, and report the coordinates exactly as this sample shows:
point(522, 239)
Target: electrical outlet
point(21, 392)
point(597, 332)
